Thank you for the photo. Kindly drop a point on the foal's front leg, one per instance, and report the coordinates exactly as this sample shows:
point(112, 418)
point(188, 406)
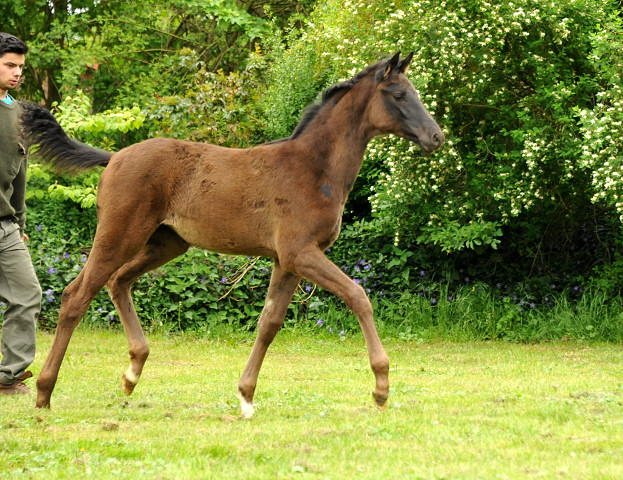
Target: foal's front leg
point(313, 265)
point(280, 291)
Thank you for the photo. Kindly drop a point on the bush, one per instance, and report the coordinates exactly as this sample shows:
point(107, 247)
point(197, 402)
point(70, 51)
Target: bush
point(528, 95)
point(414, 298)
point(211, 107)
point(491, 235)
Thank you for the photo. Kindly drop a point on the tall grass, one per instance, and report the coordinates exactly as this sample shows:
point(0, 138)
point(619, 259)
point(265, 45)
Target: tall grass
point(479, 312)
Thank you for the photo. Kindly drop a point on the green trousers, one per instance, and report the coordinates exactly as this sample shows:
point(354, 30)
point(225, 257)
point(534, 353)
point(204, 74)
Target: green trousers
point(21, 292)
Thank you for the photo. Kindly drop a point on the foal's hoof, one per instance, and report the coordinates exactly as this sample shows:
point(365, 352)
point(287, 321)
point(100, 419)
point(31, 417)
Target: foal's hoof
point(43, 404)
point(127, 385)
point(43, 397)
point(380, 400)
point(247, 409)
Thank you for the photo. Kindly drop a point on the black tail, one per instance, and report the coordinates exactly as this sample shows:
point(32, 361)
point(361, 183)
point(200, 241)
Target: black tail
point(55, 148)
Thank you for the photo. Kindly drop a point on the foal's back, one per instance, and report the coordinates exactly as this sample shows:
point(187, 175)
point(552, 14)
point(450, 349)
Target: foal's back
point(222, 199)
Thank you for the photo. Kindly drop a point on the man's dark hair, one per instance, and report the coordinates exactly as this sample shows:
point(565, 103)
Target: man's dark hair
point(11, 44)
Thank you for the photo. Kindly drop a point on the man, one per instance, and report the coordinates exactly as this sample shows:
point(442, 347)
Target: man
point(19, 287)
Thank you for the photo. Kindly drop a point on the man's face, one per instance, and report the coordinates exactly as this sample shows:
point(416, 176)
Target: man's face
point(11, 65)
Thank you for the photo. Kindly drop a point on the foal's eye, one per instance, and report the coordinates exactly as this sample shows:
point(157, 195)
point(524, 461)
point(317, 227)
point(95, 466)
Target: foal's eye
point(399, 96)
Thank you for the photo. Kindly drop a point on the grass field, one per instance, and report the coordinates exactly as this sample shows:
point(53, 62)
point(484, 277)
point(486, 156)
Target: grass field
point(488, 410)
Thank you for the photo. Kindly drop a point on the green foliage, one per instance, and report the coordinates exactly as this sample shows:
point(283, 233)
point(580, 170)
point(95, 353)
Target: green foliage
point(202, 291)
point(216, 107)
point(528, 94)
point(294, 80)
point(81, 190)
point(106, 130)
point(124, 52)
point(525, 195)
point(504, 80)
point(453, 236)
point(602, 145)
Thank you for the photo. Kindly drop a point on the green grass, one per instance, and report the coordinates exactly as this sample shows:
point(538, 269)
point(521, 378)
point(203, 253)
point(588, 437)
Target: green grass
point(468, 410)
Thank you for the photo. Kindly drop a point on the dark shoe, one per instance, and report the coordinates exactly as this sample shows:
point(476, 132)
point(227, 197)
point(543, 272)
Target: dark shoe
point(18, 387)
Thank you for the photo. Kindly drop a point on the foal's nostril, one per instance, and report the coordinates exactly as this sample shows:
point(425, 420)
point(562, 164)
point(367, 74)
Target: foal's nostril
point(438, 139)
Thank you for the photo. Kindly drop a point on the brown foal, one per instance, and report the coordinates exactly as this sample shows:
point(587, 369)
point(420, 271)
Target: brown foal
point(282, 200)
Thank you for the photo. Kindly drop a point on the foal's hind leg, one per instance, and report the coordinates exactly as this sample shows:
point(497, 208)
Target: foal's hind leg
point(118, 238)
point(280, 291)
point(76, 298)
point(164, 245)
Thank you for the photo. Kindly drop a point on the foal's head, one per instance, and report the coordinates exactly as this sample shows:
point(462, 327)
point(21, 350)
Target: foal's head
point(395, 107)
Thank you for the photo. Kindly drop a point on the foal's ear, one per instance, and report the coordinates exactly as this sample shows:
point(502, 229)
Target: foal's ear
point(404, 64)
point(391, 65)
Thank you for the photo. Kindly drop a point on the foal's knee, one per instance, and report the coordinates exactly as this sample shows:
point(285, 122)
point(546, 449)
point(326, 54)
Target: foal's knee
point(72, 309)
point(380, 365)
point(359, 303)
point(269, 324)
point(139, 352)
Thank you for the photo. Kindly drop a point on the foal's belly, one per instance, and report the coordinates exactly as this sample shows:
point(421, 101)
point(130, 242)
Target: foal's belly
point(224, 235)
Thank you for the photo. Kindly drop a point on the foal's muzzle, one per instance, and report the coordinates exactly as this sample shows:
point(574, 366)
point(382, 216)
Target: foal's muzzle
point(429, 140)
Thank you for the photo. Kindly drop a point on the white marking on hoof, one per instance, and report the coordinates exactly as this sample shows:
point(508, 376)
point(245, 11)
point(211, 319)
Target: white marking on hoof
point(131, 376)
point(246, 407)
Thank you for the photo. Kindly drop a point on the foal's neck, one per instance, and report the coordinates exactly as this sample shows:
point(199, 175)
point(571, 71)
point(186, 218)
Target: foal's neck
point(338, 137)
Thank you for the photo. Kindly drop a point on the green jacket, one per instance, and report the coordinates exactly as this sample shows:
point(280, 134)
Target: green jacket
point(13, 166)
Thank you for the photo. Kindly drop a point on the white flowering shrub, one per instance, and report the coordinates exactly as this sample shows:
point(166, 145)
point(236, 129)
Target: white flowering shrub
point(602, 126)
point(528, 93)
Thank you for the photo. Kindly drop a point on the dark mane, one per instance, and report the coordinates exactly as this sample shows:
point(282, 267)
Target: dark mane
point(329, 93)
